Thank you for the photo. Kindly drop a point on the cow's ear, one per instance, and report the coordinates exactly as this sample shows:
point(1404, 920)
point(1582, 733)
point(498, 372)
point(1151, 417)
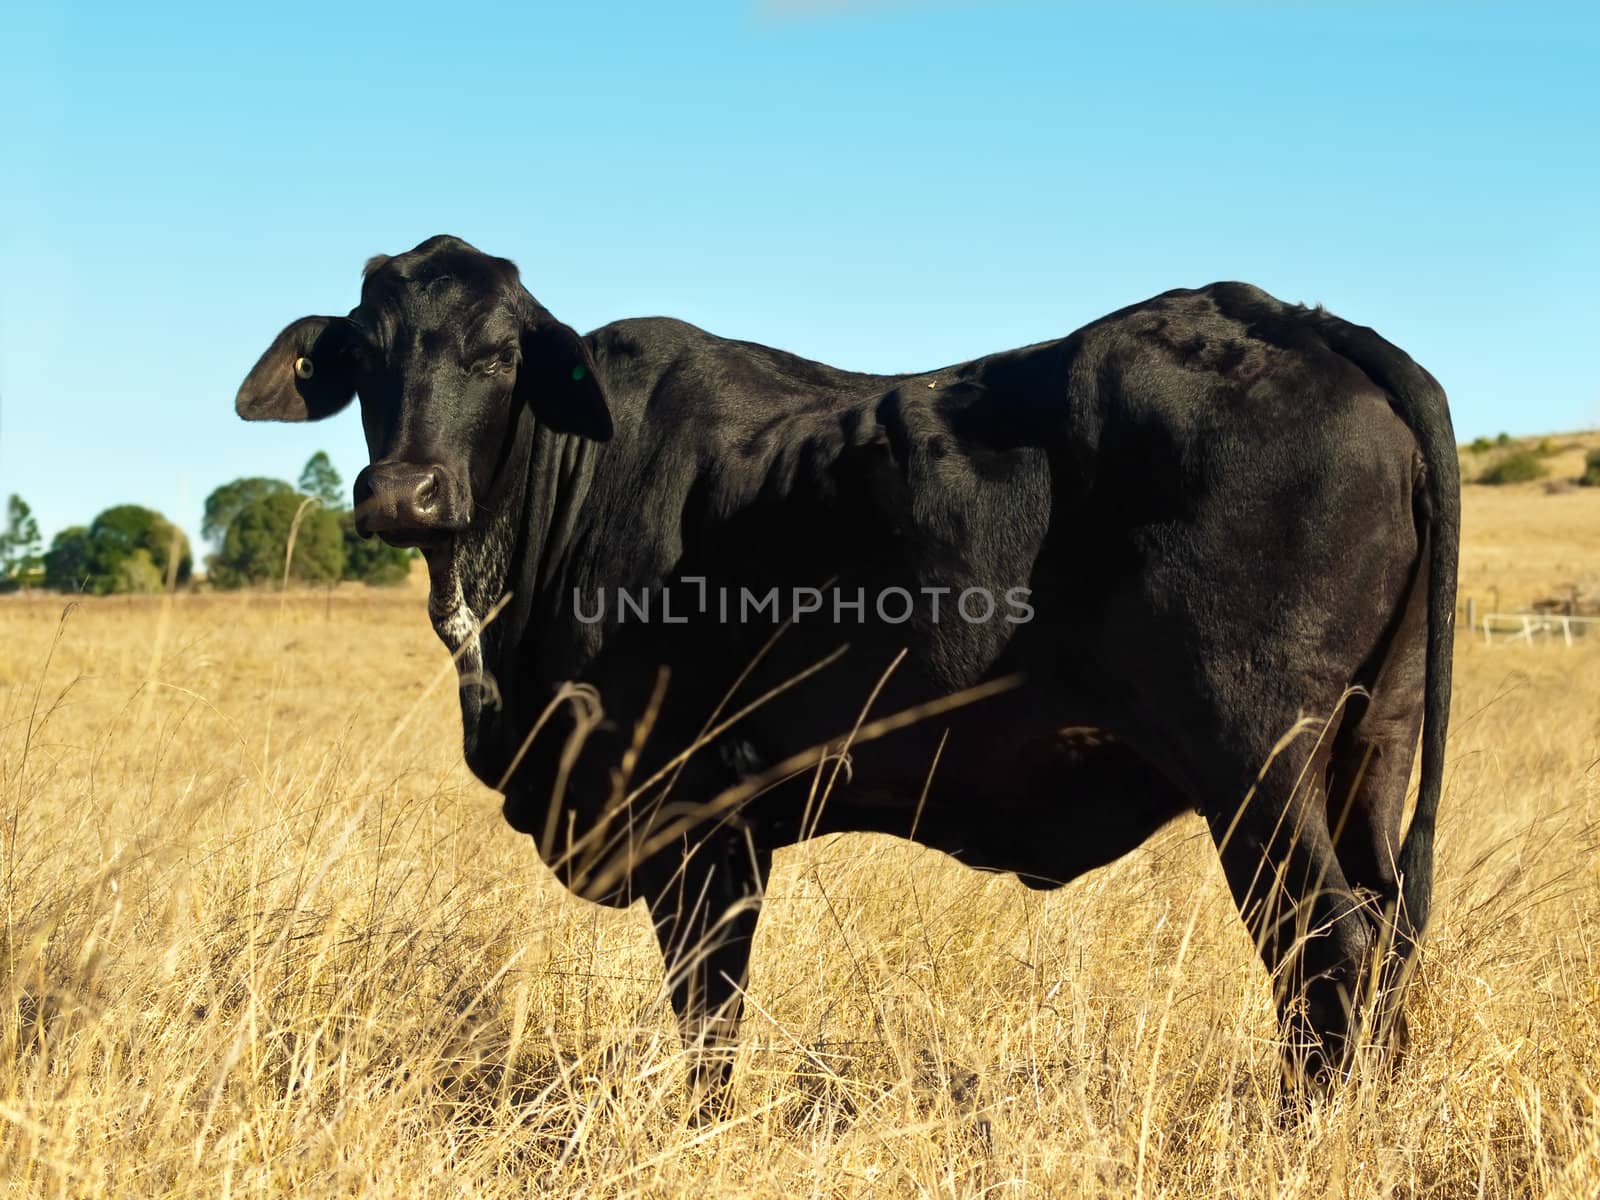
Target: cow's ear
point(557, 380)
point(309, 372)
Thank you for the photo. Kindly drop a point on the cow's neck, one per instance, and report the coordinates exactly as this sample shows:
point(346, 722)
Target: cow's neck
point(485, 588)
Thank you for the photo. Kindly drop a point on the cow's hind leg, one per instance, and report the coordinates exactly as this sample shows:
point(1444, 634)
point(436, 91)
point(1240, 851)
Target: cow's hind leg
point(1368, 775)
point(705, 913)
point(1367, 780)
point(1292, 893)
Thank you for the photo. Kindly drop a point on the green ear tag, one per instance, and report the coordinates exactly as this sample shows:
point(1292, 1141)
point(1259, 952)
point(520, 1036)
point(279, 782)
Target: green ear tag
point(578, 373)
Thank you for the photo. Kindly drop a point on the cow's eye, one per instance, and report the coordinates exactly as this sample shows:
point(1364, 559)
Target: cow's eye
point(496, 363)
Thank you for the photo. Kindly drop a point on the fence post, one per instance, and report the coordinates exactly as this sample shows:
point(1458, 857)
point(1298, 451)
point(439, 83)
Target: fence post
point(1472, 612)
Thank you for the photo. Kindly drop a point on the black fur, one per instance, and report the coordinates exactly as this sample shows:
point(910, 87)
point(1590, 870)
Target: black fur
point(1225, 510)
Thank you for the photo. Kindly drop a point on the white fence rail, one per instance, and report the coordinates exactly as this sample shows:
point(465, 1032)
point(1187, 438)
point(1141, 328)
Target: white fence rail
point(1525, 627)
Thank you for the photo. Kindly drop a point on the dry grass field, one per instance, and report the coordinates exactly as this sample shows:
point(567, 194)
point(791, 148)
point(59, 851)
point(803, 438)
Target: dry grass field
point(264, 936)
point(1526, 541)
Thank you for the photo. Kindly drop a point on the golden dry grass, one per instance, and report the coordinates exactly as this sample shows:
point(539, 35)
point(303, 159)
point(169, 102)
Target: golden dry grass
point(263, 935)
point(1521, 543)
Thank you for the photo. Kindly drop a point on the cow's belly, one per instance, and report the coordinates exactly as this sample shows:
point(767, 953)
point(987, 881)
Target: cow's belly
point(1047, 808)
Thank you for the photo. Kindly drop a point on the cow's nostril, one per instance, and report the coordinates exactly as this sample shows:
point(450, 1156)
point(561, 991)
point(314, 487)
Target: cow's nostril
point(427, 491)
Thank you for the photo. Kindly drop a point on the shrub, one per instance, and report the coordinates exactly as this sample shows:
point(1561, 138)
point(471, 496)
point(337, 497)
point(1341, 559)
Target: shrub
point(1481, 445)
point(1519, 466)
point(1591, 469)
point(1545, 448)
point(1503, 440)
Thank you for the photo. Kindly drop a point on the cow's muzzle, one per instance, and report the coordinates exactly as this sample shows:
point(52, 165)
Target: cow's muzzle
point(410, 504)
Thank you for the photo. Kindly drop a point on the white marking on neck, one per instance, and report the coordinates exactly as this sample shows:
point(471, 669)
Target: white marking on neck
point(458, 627)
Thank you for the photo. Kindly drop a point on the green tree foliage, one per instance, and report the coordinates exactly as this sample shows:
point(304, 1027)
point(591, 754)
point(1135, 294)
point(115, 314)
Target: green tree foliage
point(319, 479)
point(1518, 466)
point(20, 561)
point(229, 500)
point(1481, 445)
point(1591, 469)
point(117, 532)
point(1504, 439)
point(248, 521)
point(125, 548)
point(66, 563)
point(138, 573)
point(256, 543)
point(371, 560)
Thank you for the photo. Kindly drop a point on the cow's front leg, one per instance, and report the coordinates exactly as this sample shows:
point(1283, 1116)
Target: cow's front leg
point(705, 908)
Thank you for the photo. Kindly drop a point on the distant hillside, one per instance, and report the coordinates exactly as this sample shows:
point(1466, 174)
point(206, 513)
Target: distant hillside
point(1560, 455)
point(1534, 542)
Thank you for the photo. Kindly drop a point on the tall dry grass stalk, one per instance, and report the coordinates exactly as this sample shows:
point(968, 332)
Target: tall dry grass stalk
point(263, 935)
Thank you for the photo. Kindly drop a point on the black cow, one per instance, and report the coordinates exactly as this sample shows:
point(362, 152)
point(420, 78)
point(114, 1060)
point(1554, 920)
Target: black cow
point(1025, 609)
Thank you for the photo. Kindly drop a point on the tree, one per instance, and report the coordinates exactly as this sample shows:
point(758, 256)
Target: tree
point(118, 532)
point(371, 560)
point(66, 563)
point(126, 548)
point(20, 563)
point(229, 500)
point(139, 573)
point(257, 541)
point(319, 479)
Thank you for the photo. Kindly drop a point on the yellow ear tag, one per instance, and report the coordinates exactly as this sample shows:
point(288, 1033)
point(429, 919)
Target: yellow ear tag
point(304, 368)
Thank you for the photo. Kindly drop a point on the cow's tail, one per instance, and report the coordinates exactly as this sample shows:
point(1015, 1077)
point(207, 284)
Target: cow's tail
point(1438, 509)
point(1420, 402)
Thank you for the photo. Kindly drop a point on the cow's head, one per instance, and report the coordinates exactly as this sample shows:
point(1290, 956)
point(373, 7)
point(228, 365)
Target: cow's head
point(444, 350)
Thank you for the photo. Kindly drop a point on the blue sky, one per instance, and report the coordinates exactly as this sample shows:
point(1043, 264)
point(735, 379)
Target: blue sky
point(887, 187)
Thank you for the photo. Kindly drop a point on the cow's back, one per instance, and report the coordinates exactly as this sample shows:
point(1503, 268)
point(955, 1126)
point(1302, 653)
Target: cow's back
point(1189, 443)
